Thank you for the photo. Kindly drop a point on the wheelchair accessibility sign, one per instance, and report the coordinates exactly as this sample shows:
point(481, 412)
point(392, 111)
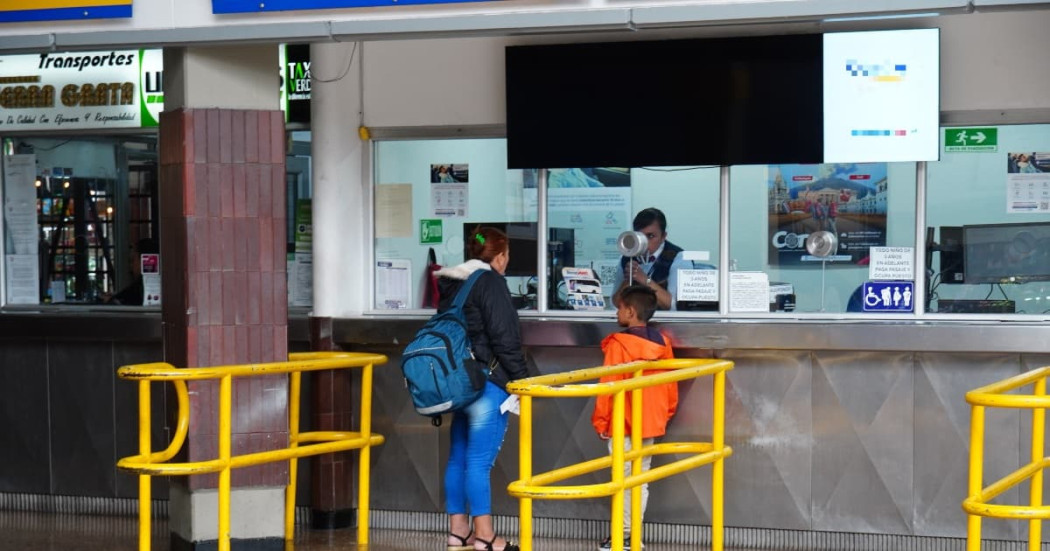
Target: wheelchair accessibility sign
point(889, 296)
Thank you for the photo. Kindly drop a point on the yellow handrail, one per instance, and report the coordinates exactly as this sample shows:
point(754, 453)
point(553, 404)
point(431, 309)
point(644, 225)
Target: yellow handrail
point(977, 505)
point(148, 463)
point(559, 385)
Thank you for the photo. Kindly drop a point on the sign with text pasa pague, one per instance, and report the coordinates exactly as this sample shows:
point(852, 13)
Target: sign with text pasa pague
point(57, 10)
point(252, 6)
point(81, 90)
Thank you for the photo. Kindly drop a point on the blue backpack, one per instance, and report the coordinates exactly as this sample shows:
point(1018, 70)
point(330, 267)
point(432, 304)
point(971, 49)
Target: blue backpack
point(438, 364)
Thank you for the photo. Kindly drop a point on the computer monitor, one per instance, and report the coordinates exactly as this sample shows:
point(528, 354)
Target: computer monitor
point(1007, 253)
point(521, 240)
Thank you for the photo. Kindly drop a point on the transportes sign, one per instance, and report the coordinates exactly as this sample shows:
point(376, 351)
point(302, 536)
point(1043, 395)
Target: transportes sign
point(249, 6)
point(81, 90)
point(55, 10)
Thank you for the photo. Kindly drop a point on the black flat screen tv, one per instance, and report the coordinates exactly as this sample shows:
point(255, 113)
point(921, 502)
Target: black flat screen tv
point(719, 101)
point(1007, 253)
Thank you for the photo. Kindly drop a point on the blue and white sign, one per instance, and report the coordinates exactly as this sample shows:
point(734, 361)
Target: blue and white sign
point(889, 296)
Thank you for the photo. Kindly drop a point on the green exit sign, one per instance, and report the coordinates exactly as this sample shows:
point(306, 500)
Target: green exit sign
point(971, 139)
point(430, 231)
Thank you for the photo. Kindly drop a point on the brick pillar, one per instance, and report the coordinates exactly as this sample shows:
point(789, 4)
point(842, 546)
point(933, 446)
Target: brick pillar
point(225, 289)
point(331, 479)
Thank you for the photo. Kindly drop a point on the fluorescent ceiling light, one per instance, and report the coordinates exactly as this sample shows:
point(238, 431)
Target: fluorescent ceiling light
point(881, 17)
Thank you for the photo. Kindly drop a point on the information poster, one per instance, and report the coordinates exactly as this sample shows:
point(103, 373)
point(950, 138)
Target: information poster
point(301, 263)
point(20, 230)
point(393, 288)
point(848, 200)
point(150, 264)
point(1027, 182)
point(595, 203)
point(449, 191)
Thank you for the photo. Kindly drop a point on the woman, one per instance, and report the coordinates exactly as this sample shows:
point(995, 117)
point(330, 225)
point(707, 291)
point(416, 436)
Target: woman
point(478, 430)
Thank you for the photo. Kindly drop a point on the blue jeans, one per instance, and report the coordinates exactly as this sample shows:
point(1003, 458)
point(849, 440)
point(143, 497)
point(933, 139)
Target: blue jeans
point(477, 435)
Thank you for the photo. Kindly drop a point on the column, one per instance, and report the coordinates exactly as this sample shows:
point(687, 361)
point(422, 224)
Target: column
point(341, 212)
point(225, 289)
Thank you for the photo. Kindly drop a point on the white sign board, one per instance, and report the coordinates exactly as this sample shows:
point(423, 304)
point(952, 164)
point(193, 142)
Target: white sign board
point(748, 292)
point(81, 90)
point(891, 264)
point(697, 285)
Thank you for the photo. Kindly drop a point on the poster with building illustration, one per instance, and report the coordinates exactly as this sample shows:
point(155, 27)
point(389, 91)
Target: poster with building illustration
point(848, 200)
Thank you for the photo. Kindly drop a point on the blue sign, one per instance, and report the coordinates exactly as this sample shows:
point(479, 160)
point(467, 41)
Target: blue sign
point(251, 6)
point(888, 296)
point(54, 10)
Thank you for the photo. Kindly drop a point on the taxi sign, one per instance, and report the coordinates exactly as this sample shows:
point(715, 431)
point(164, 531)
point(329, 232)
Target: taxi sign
point(888, 296)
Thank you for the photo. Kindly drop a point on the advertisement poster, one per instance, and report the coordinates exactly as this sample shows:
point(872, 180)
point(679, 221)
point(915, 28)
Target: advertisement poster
point(595, 203)
point(449, 194)
point(81, 90)
point(1027, 182)
point(848, 200)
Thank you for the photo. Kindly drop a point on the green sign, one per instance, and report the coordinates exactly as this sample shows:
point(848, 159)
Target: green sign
point(430, 231)
point(971, 139)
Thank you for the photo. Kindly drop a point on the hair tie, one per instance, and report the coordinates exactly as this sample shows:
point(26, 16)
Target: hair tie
point(480, 238)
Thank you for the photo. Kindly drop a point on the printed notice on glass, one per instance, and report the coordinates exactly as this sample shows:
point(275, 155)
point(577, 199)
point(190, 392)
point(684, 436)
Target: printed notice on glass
point(393, 288)
point(697, 285)
point(748, 292)
point(1027, 182)
point(393, 210)
point(20, 223)
point(23, 279)
point(891, 264)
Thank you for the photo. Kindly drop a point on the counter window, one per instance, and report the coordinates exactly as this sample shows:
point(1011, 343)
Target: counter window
point(80, 221)
point(810, 236)
point(988, 218)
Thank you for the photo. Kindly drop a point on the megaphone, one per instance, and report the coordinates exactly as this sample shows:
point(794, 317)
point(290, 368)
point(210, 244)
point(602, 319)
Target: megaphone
point(632, 243)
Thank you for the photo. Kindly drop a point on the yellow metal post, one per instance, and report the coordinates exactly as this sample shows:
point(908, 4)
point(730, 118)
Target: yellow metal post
point(1035, 525)
point(145, 497)
point(718, 468)
point(365, 459)
point(617, 470)
point(973, 522)
point(294, 385)
point(225, 406)
point(525, 470)
point(636, 465)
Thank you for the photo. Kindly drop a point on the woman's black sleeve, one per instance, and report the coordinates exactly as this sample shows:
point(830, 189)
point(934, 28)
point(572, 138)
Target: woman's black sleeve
point(502, 325)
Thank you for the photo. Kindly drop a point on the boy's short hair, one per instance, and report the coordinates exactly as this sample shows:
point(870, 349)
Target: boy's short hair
point(641, 298)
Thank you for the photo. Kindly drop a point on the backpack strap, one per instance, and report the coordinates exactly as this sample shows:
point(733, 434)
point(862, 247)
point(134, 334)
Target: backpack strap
point(464, 290)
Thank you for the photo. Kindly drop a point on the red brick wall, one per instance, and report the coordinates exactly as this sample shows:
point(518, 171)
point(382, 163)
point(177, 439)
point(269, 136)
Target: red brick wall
point(224, 296)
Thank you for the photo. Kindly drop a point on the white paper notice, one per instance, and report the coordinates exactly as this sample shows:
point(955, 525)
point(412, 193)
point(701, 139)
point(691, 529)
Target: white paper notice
point(1028, 192)
point(394, 210)
point(393, 288)
point(448, 200)
point(20, 204)
point(892, 263)
point(23, 279)
point(303, 288)
point(150, 279)
point(697, 285)
point(748, 292)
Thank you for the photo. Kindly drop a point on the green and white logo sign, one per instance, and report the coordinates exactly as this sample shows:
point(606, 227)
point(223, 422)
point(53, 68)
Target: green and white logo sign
point(971, 139)
point(430, 231)
point(80, 90)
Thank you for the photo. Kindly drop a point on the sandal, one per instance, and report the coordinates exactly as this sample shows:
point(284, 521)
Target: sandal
point(464, 544)
point(488, 545)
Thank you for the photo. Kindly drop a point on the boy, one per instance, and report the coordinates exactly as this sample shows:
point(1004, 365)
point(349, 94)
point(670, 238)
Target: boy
point(634, 308)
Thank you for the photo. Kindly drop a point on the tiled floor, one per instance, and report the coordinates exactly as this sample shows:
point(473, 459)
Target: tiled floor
point(47, 532)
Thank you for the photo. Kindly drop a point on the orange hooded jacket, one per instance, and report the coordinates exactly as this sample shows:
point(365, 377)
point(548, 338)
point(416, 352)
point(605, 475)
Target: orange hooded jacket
point(658, 403)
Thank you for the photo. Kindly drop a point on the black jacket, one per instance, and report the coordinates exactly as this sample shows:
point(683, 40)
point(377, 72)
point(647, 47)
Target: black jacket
point(492, 320)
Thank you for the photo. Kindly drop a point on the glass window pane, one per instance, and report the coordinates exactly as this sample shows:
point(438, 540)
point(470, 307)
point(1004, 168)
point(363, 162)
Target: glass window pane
point(988, 204)
point(429, 195)
point(96, 212)
point(599, 204)
point(775, 210)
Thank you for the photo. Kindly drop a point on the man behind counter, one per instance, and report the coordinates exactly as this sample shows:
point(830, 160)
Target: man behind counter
point(659, 271)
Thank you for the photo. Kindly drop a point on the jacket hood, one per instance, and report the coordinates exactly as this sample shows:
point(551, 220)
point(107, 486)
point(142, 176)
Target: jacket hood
point(462, 271)
point(636, 347)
